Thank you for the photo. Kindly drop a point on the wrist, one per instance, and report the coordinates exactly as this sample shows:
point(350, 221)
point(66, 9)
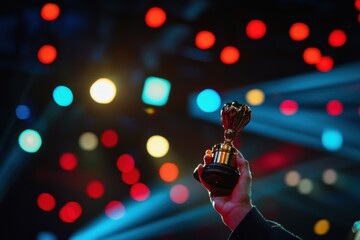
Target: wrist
point(234, 218)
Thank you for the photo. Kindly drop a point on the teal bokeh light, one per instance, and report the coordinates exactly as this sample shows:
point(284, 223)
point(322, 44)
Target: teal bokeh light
point(30, 140)
point(208, 100)
point(46, 236)
point(156, 91)
point(332, 139)
point(63, 96)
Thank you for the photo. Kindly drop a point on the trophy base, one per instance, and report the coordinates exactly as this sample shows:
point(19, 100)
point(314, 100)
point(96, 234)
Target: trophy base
point(220, 177)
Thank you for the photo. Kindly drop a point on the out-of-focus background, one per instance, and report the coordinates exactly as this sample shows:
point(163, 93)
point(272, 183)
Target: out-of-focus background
point(108, 106)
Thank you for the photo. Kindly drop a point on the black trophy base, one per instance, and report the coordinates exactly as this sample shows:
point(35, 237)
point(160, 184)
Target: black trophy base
point(220, 177)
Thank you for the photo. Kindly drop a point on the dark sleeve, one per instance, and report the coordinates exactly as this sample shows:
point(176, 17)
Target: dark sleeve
point(254, 226)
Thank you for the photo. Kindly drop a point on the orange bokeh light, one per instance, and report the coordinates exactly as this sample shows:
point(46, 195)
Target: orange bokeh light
point(169, 172)
point(255, 29)
point(205, 40)
point(155, 17)
point(50, 11)
point(325, 64)
point(312, 55)
point(47, 54)
point(337, 38)
point(229, 55)
point(299, 31)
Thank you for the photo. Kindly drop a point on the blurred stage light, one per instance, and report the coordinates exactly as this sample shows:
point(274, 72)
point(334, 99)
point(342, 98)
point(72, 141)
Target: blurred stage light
point(70, 212)
point(103, 91)
point(299, 31)
point(62, 96)
point(325, 64)
point(305, 186)
point(312, 55)
point(47, 54)
point(109, 138)
point(30, 141)
point(46, 202)
point(125, 163)
point(68, 161)
point(337, 38)
point(88, 141)
point(46, 236)
point(255, 97)
point(155, 17)
point(115, 210)
point(156, 91)
point(208, 100)
point(168, 172)
point(356, 225)
point(95, 189)
point(229, 55)
point(50, 11)
point(179, 193)
point(205, 40)
point(289, 107)
point(131, 177)
point(292, 178)
point(157, 146)
point(334, 108)
point(329, 176)
point(140, 192)
point(256, 29)
point(322, 227)
point(22, 112)
point(332, 139)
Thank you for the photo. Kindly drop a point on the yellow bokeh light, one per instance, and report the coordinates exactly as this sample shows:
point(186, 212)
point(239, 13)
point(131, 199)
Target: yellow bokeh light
point(157, 146)
point(322, 227)
point(292, 178)
point(305, 186)
point(103, 91)
point(88, 141)
point(255, 97)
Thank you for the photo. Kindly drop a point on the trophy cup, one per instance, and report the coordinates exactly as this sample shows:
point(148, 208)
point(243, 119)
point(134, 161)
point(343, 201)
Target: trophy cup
point(222, 173)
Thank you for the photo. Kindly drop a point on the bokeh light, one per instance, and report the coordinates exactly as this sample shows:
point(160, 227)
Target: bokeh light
point(289, 107)
point(115, 210)
point(125, 163)
point(334, 108)
point(179, 193)
point(47, 54)
point(88, 141)
point(103, 91)
point(155, 17)
point(256, 29)
point(140, 192)
point(168, 172)
point(62, 96)
point(299, 31)
point(22, 112)
point(292, 178)
point(204, 40)
point(109, 138)
point(322, 227)
point(156, 91)
point(30, 140)
point(305, 186)
point(255, 97)
point(208, 100)
point(95, 189)
point(50, 11)
point(329, 176)
point(131, 177)
point(229, 55)
point(157, 146)
point(325, 64)
point(332, 139)
point(46, 202)
point(46, 236)
point(356, 226)
point(337, 38)
point(70, 212)
point(312, 55)
point(68, 161)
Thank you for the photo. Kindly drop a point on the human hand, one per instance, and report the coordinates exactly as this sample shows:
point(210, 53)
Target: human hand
point(235, 207)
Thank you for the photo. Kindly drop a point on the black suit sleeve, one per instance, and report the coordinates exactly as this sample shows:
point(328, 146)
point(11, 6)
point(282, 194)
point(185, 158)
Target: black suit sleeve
point(254, 227)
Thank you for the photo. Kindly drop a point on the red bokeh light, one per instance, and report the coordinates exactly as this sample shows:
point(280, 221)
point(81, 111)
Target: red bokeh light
point(131, 177)
point(70, 212)
point(325, 64)
point(334, 107)
point(168, 172)
point(68, 161)
point(289, 107)
point(50, 11)
point(155, 17)
point(47, 54)
point(229, 55)
point(357, 5)
point(139, 192)
point(95, 189)
point(337, 38)
point(299, 31)
point(115, 210)
point(256, 29)
point(205, 40)
point(179, 193)
point(312, 55)
point(109, 138)
point(46, 202)
point(125, 163)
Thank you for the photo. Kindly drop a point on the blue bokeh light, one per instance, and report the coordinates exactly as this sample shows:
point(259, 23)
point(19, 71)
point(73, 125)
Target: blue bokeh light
point(22, 112)
point(208, 100)
point(46, 236)
point(156, 91)
point(332, 139)
point(63, 96)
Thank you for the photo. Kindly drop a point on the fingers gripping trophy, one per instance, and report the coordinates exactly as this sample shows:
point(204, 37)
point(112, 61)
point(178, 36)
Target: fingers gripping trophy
point(221, 174)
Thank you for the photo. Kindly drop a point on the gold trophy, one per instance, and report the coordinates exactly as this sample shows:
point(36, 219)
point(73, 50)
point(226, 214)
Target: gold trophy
point(222, 173)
